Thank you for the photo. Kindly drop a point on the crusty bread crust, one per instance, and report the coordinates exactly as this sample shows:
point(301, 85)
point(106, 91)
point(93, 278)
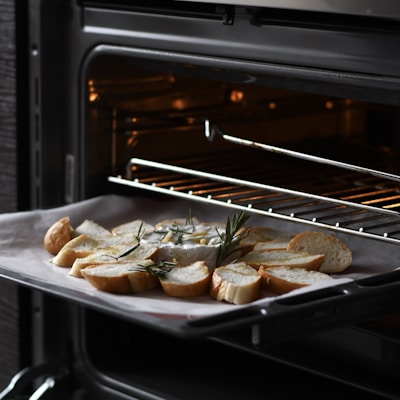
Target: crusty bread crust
point(282, 280)
point(112, 254)
point(338, 256)
point(235, 283)
point(79, 247)
point(190, 281)
point(58, 235)
point(274, 258)
point(121, 277)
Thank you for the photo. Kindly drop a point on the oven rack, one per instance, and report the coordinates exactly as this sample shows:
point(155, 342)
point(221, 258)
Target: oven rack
point(336, 214)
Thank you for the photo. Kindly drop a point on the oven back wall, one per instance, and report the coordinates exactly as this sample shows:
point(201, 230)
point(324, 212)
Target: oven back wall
point(9, 346)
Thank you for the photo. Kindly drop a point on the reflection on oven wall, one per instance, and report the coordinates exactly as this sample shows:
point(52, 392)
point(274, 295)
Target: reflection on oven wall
point(157, 111)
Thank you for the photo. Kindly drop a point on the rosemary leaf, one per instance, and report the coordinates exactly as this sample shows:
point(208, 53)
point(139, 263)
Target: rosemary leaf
point(231, 238)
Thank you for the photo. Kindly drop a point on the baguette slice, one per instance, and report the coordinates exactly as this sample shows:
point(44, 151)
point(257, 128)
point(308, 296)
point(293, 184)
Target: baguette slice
point(84, 245)
point(190, 281)
point(121, 277)
point(111, 255)
point(338, 256)
point(236, 283)
point(58, 235)
point(275, 244)
point(274, 258)
point(258, 234)
point(92, 229)
point(285, 279)
point(133, 228)
point(79, 247)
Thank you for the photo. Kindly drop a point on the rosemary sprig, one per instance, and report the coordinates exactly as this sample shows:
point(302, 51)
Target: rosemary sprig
point(139, 236)
point(158, 269)
point(129, 251)
point(231, 238)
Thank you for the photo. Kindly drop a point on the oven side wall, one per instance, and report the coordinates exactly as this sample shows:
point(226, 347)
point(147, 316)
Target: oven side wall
point(9, 314)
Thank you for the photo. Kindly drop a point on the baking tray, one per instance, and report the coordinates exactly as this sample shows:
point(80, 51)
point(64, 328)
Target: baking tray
point(369, 287)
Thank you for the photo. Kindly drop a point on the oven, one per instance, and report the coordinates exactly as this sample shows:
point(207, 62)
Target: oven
point(286, 110)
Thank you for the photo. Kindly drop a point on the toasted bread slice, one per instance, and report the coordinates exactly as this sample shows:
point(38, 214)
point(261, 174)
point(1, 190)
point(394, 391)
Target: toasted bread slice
point(258, 234)
point(121, 277)
point(92, 229)
point(134, 228)
point(84, 245)
point(338, 256)
point(274, 244)
point(113, 254)
point(235, 283)
point(79, 247)
point(58, 235)
point(285, 279)
point(190, 281)
point(274, 258)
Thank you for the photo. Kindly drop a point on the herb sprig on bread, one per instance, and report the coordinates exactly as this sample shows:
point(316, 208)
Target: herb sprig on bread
point(231, 262)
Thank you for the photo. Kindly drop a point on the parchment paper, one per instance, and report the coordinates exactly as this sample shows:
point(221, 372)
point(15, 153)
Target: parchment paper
point(22, 255)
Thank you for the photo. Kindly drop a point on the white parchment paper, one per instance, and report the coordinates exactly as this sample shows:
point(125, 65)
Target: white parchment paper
point(23, 257)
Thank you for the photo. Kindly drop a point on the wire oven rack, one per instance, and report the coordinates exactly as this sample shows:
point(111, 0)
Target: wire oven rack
point(349, 202)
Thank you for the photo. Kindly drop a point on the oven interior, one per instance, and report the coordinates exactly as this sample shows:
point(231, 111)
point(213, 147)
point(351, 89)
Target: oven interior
point(138, 123)
point(159, 111)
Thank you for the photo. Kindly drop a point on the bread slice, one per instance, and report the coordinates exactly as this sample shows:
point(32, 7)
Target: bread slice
point(338, 256)
point(190, 281)
point(58, 235)
point(274, 258)
point(113, 254)
point(79, 247)
point(285, 279)
point(258, 234)
point(84, 245)
point(235, 283)
point(121, 277)
point(274, 244)
point(133, 228)
point(92, 229)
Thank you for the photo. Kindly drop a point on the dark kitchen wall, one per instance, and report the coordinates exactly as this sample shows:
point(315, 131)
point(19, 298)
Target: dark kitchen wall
point(9, 330)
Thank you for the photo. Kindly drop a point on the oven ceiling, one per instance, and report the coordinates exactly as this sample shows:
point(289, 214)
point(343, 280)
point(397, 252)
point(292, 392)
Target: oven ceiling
point(370, 8)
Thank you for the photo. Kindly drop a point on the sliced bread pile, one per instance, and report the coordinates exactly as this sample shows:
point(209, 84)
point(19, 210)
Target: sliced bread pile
point(180, 258)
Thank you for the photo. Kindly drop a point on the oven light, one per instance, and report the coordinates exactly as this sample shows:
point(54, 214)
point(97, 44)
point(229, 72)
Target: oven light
point(93, 97)
point(329, 105)
point(179, 104)
point(236, 96)
point(133, 139)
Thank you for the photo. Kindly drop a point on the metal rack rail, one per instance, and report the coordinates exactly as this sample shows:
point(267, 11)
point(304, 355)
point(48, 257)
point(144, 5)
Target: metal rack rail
point(369, 211)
